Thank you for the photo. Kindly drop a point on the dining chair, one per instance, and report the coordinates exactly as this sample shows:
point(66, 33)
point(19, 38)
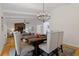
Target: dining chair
point(51, 47)
point(21, 51)
point(60, 41)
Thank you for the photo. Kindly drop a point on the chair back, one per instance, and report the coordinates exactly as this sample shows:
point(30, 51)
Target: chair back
point(17, 38)
point(60, 40)
point(52, 41)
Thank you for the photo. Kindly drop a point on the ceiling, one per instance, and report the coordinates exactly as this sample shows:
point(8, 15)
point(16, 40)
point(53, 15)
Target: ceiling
point(27, 9)
point(13, 11)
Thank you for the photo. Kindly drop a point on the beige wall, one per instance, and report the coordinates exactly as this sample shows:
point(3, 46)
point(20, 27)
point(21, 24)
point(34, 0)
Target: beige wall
point(11, 22)
point(2, 31)
point(66, 18)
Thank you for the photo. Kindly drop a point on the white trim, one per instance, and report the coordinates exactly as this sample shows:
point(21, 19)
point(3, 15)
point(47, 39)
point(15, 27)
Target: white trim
point(74, 45)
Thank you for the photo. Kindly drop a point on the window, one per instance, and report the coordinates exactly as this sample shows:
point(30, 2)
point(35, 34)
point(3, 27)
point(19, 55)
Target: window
point(46, 27)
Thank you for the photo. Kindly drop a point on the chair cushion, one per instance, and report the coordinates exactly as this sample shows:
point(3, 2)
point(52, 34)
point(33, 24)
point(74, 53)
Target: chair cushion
point(44, 47)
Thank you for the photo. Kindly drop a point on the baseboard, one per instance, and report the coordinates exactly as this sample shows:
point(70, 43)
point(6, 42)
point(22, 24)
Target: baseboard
point(73, 45)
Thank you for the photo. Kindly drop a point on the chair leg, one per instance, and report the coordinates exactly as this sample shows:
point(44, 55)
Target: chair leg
point(48, 54)
point(33, 52)
point(15, 53)
point(57, 54)
point(61, 48)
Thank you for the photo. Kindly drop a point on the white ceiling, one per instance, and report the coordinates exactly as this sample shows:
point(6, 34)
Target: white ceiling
point(30, 7)
point(27, 10)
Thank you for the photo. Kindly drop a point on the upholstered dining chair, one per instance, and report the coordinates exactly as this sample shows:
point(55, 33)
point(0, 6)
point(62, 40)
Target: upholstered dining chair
point(21, 51)
point(60, 40)
point(51, 47)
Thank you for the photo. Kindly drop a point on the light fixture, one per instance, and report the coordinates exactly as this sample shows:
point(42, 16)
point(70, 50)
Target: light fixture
point(43, 16)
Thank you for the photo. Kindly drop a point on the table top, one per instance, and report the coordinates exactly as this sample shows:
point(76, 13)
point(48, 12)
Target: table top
point(32, 38)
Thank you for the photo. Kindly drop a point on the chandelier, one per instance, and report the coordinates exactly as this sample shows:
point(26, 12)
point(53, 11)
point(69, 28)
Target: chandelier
point(43, 16)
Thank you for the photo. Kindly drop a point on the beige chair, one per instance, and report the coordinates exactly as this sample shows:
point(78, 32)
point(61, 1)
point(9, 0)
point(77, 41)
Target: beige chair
point(51, 47)
point(19, 50)
point(60, 40)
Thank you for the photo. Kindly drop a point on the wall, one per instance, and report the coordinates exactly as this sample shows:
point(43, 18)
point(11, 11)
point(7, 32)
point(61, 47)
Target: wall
point(31, 27)
point(11, 22)
point(66, 18)
point(2, 31)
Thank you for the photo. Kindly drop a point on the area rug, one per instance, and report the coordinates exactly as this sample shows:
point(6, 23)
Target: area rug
point(66, 52)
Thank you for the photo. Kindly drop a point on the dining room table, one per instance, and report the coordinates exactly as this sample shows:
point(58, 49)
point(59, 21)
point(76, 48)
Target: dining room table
point(35, 41)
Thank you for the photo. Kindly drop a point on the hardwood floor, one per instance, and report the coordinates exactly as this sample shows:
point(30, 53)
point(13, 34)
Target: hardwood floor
point(76, 52)
point(10, 44)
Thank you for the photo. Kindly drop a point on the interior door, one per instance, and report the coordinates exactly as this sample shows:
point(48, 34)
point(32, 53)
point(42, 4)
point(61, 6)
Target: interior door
point(19, 27)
